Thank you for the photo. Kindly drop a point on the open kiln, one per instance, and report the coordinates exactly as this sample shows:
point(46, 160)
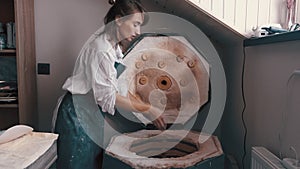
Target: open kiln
point(167, 72)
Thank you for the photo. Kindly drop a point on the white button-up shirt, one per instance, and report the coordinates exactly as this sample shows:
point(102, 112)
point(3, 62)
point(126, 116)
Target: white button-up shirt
point(94, 70)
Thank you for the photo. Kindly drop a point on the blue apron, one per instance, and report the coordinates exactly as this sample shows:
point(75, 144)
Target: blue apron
point(80, 124)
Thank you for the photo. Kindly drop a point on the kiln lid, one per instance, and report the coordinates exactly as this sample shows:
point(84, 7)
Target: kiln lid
point(167, 72)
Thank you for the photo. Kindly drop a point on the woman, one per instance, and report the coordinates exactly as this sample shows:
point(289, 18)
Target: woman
point(79, 122)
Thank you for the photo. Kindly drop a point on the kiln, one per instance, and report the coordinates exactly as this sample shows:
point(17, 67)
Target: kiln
point(165, 71)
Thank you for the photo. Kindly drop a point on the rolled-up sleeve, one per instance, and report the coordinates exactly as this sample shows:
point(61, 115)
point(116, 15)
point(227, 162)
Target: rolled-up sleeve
point(105, 83)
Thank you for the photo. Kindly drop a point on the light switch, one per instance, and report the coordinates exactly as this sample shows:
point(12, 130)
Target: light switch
point(43, 69)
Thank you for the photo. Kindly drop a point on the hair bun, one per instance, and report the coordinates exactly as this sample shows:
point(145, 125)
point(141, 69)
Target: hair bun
point(112, 2)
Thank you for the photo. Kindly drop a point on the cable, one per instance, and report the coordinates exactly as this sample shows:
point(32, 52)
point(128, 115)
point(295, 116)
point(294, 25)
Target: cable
point(244, 108)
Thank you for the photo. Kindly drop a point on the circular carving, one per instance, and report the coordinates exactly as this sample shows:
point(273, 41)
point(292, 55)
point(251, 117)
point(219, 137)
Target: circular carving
point(144, 57)
point(161, 64)
point(183, 82)
point(171, 102)
point(193, 100)
point(138, 65)
point(143, 80)
point(191, 63)
point(179, 58)
point(164, 82)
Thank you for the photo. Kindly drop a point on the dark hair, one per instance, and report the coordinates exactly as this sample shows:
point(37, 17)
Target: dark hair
point(122, 8)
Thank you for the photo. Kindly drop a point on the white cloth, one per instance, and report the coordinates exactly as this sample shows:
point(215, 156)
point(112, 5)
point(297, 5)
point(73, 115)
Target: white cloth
point(25, 150)
point(94, 70)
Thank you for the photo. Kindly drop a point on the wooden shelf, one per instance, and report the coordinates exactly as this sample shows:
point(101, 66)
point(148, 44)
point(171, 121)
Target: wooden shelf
point(9, 105)
point(8, 51)
point(25, 109)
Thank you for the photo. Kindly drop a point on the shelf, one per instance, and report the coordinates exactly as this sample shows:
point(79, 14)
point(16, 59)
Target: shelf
point(19, 64)
point(9, 105)
point(282, 37)
point(8, 52)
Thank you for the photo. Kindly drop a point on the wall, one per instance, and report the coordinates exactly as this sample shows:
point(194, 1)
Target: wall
point(272, 103)
point(62, 27)
point(243, 15)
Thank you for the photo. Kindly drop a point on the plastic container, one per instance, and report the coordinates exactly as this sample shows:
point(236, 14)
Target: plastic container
point(2, 37)
point(9, 31)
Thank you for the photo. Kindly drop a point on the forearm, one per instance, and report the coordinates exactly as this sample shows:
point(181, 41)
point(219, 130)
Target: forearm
point(131, 104)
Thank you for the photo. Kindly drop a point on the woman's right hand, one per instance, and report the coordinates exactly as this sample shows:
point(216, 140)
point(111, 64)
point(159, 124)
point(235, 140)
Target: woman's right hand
point(150, 112)
point(154, 115)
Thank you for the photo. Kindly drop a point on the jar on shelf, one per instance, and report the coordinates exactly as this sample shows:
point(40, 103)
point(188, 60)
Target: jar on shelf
point(291, 14)
point(2, 37)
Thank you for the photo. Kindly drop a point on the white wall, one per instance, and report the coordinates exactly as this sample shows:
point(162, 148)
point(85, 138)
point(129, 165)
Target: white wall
point(62, 27)
point(243, 15)
point(268, 69)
